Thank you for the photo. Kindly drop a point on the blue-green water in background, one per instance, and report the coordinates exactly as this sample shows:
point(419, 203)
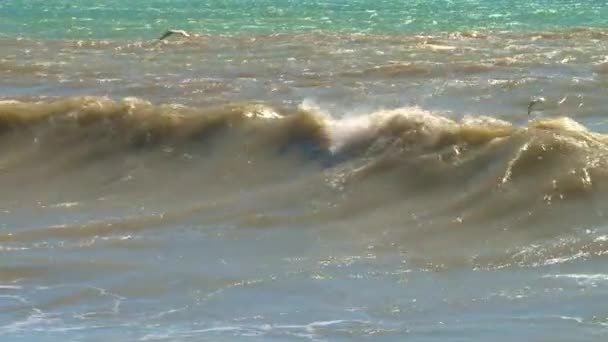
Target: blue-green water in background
point(141, 19)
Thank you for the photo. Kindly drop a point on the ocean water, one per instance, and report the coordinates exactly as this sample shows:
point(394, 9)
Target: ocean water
point(119, 19)
point(304, 171)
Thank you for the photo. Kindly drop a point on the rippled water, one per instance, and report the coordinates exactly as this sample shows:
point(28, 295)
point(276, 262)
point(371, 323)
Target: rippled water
point(87, 18)
point(324, 171)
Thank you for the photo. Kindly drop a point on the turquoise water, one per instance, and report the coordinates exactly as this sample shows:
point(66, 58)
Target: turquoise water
point(141, 19)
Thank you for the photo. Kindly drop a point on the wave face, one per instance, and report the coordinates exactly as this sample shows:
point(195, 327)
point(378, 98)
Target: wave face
point(428, 177)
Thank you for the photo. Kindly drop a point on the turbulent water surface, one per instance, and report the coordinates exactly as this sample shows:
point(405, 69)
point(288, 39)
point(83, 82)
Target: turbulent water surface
point(304, 170)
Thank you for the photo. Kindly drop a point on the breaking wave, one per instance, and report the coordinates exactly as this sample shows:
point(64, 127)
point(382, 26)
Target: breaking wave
point(422, 173)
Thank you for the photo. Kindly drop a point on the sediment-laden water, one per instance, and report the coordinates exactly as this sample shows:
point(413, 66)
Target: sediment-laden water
point(331, 172)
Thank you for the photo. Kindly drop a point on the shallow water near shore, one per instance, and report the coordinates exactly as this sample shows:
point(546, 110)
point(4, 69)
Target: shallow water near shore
point(351, 180)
